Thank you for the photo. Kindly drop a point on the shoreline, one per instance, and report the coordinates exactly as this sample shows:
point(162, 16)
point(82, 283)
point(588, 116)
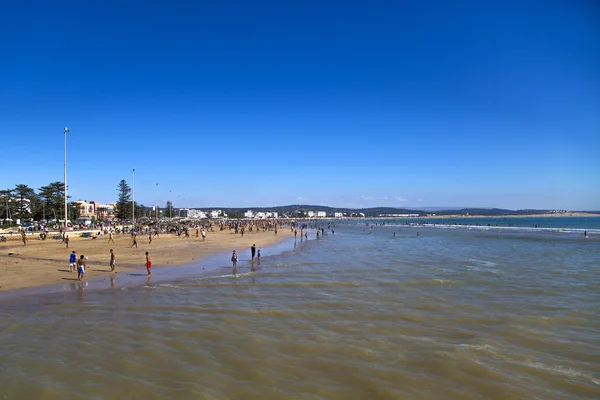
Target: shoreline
point(213, 266)
point(45, 263)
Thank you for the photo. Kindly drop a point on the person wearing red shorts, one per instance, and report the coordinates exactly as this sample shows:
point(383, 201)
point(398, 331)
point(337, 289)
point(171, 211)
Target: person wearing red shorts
point(148, 264)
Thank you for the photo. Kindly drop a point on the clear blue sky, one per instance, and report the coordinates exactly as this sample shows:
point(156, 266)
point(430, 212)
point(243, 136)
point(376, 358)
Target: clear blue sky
point(345, 103)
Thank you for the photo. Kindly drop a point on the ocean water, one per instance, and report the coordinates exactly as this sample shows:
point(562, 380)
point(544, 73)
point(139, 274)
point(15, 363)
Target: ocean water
point(460, 313)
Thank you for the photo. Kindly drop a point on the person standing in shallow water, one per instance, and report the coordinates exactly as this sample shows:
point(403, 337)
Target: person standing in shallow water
point(80, 267)
point(234, 259)
point(112, 261)
point(253, 251)
point(148, 264)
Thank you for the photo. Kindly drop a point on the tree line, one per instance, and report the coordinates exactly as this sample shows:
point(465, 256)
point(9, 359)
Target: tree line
point(22, 202)
point(47, 203)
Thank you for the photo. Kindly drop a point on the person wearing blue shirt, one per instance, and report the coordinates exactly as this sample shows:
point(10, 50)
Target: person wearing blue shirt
point(72, 261)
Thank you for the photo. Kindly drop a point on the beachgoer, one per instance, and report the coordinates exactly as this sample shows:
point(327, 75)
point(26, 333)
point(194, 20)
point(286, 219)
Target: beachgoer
point(80, 267)
point(585, 234)
point(148, 264)
point(134, 241)
point(72, 261)
point(203, 234)
point(253, 251)
point(67, 241)
point(150, 238)
point(110, 237)
point(258, 257)
point(112, 261)
point(234, 259)
point(24, 237)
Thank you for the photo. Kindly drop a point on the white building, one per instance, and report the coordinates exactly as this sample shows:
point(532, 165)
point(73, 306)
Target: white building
point(338, 215)
point(217, 214)
point(321, 214)
point(249, 214)
point(196, 214)
point(310, 214)
point(272, 214)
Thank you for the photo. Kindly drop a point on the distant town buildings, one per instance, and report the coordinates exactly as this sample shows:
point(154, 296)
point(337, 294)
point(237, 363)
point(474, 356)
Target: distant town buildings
point(399, 215)
point(199, 214)
point(260, 215)
point(196, 214)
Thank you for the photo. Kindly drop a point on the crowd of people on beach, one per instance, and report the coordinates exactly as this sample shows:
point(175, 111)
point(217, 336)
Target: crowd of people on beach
point(181, 231)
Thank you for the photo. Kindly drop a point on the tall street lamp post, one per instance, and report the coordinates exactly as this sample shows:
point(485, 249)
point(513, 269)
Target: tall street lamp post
point(65, 172)
point(133, 197)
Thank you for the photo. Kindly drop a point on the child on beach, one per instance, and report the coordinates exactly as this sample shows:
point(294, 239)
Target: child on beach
point(148, 264)
point(72, 261)
point(80, 267)
point(112, 260)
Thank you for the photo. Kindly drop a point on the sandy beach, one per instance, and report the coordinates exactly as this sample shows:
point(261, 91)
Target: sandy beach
point(47, 262)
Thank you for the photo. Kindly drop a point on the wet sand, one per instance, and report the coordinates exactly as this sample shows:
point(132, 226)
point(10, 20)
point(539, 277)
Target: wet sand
point(46, 262)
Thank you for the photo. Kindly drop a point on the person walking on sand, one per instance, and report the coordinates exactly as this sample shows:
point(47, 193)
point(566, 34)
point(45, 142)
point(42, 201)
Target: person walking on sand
point(253, 251)
point(148, 264)
point(203, 234)
point(72, 261)
point(24, 237)
point(112, 261)
point(110, 237)
point(150, 238)
point(67, 241)
point(80, 267)
point(134, 241)
point(234, 259)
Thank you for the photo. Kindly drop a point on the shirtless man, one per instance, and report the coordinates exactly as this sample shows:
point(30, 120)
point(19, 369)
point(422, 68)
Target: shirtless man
point(80, 267)
point(112, 261)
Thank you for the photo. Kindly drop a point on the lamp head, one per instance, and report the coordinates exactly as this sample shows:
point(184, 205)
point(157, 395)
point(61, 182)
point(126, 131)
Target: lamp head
point(66, 129)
